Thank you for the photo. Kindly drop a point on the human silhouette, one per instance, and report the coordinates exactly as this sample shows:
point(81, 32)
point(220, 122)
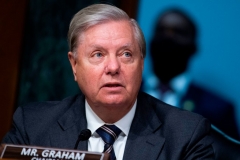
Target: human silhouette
point(171, 47)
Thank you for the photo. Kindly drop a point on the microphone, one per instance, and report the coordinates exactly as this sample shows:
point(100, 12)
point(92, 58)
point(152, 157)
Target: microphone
point(83, 136)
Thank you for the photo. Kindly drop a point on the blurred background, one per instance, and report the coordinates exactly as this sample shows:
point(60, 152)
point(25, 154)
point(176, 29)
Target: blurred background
point(216, 65)
point(33, 45)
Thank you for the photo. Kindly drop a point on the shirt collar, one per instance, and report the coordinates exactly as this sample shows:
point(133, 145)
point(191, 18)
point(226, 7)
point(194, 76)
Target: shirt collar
point(180, 83)
point(94, 122)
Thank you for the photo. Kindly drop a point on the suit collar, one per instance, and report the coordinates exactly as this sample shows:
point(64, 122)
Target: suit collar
point(74, 115)
point(72, 122)
point(144, 140)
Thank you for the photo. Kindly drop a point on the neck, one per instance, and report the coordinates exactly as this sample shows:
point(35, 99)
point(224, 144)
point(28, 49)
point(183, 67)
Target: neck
point(111, 114)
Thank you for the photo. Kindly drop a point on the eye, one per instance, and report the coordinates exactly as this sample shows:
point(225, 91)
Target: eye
point(127, 54)
point(98, 54)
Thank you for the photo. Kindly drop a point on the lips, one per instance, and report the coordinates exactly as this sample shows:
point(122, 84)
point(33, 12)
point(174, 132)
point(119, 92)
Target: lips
point(113, 85)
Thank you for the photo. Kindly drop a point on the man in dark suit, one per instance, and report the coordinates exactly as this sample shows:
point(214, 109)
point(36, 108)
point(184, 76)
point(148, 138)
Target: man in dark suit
point(172, 46)
point(107, 51)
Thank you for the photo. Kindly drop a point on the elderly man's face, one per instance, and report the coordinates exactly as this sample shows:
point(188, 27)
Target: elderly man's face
point(109, 65)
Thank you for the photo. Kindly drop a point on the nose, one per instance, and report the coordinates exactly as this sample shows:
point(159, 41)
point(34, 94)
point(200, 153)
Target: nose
point(112, 65)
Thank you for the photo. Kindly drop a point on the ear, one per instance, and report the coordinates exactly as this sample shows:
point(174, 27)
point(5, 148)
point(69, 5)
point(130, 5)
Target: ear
point(73, 63)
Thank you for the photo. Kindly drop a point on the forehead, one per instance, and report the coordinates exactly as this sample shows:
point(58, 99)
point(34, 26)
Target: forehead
point(109, 30)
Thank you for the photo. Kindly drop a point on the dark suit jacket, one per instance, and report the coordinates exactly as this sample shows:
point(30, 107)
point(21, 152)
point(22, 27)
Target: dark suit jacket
point(217, 110)
point(158, 131)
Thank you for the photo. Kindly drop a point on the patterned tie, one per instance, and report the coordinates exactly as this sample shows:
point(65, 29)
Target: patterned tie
point(109, 134)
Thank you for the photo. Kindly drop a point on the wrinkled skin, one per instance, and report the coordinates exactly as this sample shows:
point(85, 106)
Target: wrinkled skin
point(108, 68)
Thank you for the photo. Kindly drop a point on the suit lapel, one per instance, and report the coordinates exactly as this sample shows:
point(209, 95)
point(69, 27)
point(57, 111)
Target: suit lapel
point(144, 139)
point(65, 133)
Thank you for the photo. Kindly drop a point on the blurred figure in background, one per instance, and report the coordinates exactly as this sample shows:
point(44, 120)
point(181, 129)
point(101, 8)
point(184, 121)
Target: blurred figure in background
point(172, 45)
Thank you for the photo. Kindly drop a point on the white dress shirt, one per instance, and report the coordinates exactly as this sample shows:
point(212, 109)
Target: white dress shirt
point(179, 86)
point(95, 142)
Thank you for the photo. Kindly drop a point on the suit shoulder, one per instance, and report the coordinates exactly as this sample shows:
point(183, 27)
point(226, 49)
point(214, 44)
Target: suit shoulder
point(49, 104)
point(48, 108)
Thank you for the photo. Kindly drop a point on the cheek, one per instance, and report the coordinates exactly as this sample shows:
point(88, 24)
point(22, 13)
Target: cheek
point(138, 69)
point(134, 75)
point(84, 77)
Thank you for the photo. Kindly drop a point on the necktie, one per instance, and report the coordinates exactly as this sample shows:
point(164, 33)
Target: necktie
point(109, 134)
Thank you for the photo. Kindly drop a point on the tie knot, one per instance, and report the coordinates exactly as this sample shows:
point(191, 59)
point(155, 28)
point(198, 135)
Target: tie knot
point(109, 133)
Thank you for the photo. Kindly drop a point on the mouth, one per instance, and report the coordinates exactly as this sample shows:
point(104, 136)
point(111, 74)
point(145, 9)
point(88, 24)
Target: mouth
point(112, 85)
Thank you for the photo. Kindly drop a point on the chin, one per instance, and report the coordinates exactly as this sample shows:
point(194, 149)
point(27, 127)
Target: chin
point(114, 101)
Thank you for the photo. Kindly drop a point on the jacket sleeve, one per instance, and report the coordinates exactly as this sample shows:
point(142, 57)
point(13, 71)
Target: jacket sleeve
point(200, 144)
point(17, 134)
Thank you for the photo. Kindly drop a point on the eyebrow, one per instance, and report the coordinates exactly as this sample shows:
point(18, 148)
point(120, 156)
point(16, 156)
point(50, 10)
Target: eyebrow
point(127, 45)
point(96, 46)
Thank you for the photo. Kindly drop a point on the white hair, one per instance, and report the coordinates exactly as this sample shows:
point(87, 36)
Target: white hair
point(96, 14)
